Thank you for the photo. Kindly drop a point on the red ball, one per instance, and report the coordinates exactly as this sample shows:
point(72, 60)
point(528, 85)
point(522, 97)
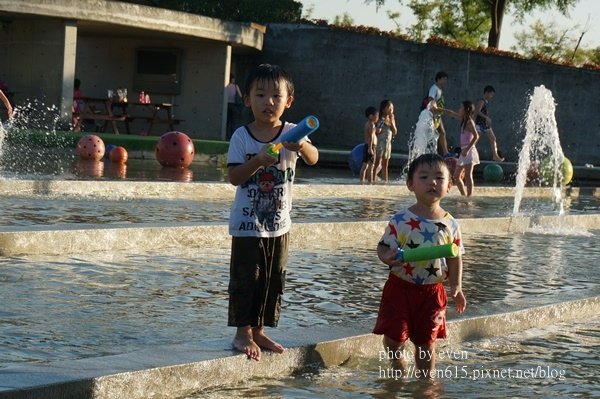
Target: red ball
point(174, 149)
point(118, 155)
point(90, 147)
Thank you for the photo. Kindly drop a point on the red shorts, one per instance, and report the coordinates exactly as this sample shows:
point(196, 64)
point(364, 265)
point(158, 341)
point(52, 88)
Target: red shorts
point(411, 311)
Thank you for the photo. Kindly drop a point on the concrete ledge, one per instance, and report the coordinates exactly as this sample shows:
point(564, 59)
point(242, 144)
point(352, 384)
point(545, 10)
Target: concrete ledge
point(84, 238)
point(179, 370)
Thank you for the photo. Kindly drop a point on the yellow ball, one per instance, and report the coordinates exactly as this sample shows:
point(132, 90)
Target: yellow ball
point(547, 171)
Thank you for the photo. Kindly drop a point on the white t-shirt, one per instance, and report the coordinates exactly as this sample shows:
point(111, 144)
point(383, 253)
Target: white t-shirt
point(262, 204)
point(435, 92)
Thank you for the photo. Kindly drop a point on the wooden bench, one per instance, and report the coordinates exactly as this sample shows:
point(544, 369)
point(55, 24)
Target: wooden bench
point(102, 117)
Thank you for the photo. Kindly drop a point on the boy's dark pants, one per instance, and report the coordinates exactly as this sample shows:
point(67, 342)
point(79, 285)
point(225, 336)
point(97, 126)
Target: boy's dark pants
point(257, 280)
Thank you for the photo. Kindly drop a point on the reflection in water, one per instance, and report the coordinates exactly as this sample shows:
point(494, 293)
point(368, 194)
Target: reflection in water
point(56, 308)
point(89, 168)
point(116, 170)
point(175, 174)
point(42, 209)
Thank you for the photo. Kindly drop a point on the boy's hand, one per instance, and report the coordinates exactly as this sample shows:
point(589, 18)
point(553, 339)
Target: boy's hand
point(265, 158)
point(459, 300)
point(291, 146)
point(389, 258)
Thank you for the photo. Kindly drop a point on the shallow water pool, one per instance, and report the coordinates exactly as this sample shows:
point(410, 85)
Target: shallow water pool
point(109, 303)
point(60, 209)
point(559, 361)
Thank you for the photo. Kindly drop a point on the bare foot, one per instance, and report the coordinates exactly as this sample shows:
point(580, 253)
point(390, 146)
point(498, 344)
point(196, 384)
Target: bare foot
point(498, 159)
point(265, 342)
point(244, 343)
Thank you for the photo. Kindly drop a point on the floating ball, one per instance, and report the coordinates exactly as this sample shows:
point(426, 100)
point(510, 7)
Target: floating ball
point(547, 171)
point(108, 148)
point(118, 155)
point(174, 149)
point(355, 159)
point(493, 173)
point(90, 147)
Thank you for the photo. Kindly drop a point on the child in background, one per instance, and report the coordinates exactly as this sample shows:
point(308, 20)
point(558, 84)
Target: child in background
point(413, 303)
point(259, 220)
point(386, 131)
point(78, 106)
point(483, 122)
point(367, 171)
point(469, 157)
point(7, 105)
point(436, 95)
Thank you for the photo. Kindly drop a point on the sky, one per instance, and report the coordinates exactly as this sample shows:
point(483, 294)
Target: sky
point(368, 15)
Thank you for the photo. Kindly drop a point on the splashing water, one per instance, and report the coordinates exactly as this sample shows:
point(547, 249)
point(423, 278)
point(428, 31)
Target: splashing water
point(21, 151)
point(424, 138)
point(540, 145)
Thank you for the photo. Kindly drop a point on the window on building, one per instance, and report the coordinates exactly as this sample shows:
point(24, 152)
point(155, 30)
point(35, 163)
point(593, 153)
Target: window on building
point(158, 70)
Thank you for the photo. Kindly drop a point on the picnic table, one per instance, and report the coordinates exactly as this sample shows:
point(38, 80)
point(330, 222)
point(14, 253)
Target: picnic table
point(111, 112)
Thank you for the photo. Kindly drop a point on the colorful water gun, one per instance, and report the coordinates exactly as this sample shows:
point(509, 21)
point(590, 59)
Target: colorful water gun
point(305, 127)
point(427, 253)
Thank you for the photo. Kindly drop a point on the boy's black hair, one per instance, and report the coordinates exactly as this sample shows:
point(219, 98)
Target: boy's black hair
point(370, 111)
point(488, 89)
point(429, 159)
point(269, 72)
point(440, 75)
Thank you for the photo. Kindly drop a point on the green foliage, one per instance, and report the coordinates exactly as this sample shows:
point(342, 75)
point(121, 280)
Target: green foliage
point(260, 11)
point(424, 11)
point(468, 21)
point(547, 41)
point(544, 39)
point(343, 20)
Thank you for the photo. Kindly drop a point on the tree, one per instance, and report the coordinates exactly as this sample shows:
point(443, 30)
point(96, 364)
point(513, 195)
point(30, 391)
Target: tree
point(465, 22)
point(546, 40)
point(495, 9)
point(261, 11)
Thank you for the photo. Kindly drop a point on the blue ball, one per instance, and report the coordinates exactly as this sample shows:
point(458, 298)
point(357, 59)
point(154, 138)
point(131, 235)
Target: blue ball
point(355, 159)
point(108, 149)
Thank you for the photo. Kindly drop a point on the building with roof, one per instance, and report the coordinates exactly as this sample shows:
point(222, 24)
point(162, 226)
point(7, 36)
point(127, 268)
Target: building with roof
point(175, 57)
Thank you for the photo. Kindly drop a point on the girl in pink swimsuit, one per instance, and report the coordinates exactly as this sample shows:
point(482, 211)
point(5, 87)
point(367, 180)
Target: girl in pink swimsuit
point(469, 157)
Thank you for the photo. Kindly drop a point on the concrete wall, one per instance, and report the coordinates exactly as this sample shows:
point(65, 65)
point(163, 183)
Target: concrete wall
point(108, 63)
point(32, 59)
point(338, 74)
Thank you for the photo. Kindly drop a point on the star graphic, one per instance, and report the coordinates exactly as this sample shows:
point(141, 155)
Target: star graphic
point(393, 231)
point(414, 224)
point(399, 217)
point(418, 280)
point(457, 241)
point(408, 268)
point(441, 226)
point(432, 270)
point(427, 235)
